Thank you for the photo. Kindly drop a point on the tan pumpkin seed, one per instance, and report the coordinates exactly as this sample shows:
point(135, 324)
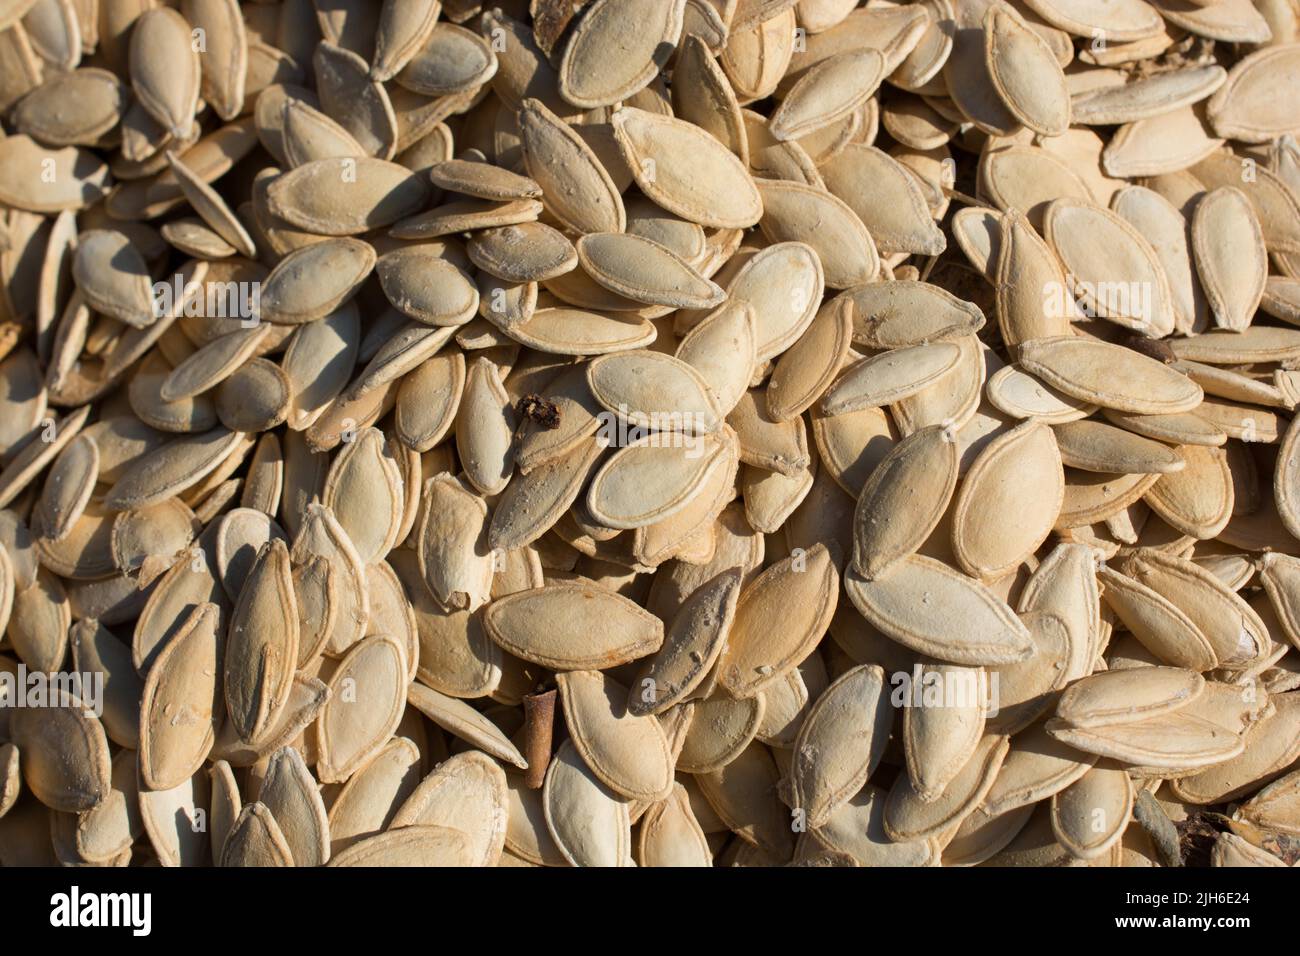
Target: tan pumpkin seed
point(454, 556)
point(113, 278)
point(577, 188)
point(857, 831)
point(262, 646)
point(616, 50)
point(1155, 621)
point(532, 503)
point(885, 197)
point(920, 469)
point(742, 795)
point(794, 212)
point(403, 30)
point(212, 364)
point(363, 489)
point(485, 427)
point(427, 287)
point(840, 743)
point(1000, 478)
point(938, 741)
point(359, 103)
point(451, 60)
point(1235, 631)
point(64, 754)
point(560, 626)
point(291, 795)
point(462, 720)
point(72, 109)
point(1127, 696)
point(1230, 256)
point(375, 671)
point(826, 92)
point(1020, 395)
point(314, 281)
point(645, 271)
point(693, 641)
point(890, 377)
point(171, 819)
point(807, 368)
point(207, 202)
point(240, 535)
point(670, 835)
point(702, 95)
point(1259, 343)
point(1121, 22)
point(1232, 850)
point(1149, 96)
point(1024, 72)
point(24, 467)
point(467, 793)
point(181, 702)
point(720, 730)
point(1166, 229)
point(908, 817)
point(1174, 741)
point(1270, 748)
point(1118, 254)
point(370, 799)
point(483, 180)
point(589, 823)
point(1198, 500)
point(627, 752)
point(345, 196)
point(652, 479)
point(654, 391)
point(903, 313)
point(1092, 370)
point(1244, 107)
point(165, 70)
point(1166, 143)
point(171, 469)
point(1274, 806)
point(68, 486)
point(783, 284)
point(111, 828)
point(1090, 815)
point(65, 178)
point(321, 535)
point(804, 587)
point(686, 171)
point(256, 840)
point(721, 349)
point(527, 252)
point(911, 604)
point(416, 846)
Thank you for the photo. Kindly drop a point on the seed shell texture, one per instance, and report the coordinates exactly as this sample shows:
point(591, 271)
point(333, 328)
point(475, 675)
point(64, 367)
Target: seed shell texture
point(918, 602)
point(803, 588)
point(841, 741)
point(686, 171)
point(616, 49)
point(590, 824)
point(566, 626)
point(627, 752)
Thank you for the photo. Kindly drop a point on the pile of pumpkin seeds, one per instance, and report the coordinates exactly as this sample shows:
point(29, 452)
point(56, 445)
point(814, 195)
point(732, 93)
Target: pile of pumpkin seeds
point(649, 432)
